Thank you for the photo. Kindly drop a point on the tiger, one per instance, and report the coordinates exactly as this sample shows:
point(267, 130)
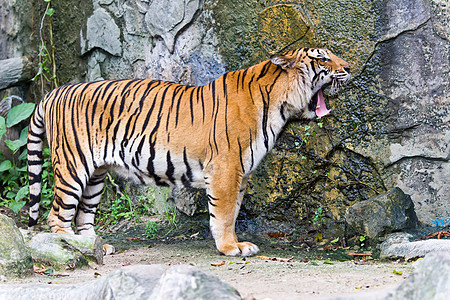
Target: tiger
point(164, 133)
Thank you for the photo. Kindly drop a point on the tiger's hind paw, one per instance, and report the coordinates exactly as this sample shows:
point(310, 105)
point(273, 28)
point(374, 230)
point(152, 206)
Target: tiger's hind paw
point(239, 249)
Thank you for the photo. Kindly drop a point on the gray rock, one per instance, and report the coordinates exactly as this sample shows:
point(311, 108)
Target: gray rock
point(133, 283)
point(392, 211)
point(187, 282)
point(430, 279)
point(395, 238)
point(101, 32)
point(15, 258)
point(166, 18)
point(410, 250)
point(186, 200)
point(404, 16)
point(12, 71)
point(62, 250)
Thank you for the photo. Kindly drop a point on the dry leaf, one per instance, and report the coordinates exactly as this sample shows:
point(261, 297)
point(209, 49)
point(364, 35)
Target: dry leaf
point(218, 264)
point(276, 234)
point(280, 259)
point(359, 254)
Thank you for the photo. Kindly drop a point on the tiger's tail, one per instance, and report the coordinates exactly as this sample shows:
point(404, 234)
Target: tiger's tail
point(36, 135)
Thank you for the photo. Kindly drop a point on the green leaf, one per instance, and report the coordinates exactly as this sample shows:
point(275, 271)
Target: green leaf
point(328, 262)
point(24, 155)
point(2, 126)
point(10, 194)
point(5, 165)
point(15, 145)
point(22, 141)
point(22, 193)
point(19, 113)
point(16, 205)
point(50, 12)
point(397, 272)
point(49, 271)
point(335, 240)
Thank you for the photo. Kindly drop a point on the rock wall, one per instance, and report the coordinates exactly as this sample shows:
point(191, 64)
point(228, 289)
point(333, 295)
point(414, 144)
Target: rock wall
point(389, 127)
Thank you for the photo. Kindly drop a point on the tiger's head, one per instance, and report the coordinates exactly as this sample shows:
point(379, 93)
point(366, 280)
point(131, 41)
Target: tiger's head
point(309, 72)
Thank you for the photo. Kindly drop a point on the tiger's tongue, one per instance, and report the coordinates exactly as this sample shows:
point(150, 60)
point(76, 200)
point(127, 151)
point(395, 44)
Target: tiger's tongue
point(321, 108)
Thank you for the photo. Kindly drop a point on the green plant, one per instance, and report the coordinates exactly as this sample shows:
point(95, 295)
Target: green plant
point(362, 240)
point(13, 172)
point(171, 215)
point(317, 219)
point(151, 229)
point(122, 207)
point(117, 203)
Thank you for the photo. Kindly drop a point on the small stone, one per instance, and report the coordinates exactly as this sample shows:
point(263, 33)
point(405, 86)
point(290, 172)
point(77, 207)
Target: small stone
point(409, 250)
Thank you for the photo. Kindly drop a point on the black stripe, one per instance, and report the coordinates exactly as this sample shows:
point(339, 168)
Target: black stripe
point(282, 111)
point(211, 197)
point(185, 181)
point(191, 106)
point(31, 222)
point(251, 150)
point(170, 168)
point(264, 120)
point(35, 162)
point(177, 114)
point(34, 199)
point(240, 155)
point(226, 109)
point(38, 153)
point(203, 103)
point(93, 196)
point(188, 167)
point(213, 93)
point(264, 70)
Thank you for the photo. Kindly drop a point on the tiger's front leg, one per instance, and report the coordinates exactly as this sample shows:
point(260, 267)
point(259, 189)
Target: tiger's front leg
point(225, 194)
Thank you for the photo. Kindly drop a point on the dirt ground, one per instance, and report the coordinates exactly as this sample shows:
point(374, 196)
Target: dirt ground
point(281, 271)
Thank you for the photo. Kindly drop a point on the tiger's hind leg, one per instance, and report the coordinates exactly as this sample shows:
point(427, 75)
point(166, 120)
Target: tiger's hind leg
point(90, 199)
point(67, 194)
point(225, 193)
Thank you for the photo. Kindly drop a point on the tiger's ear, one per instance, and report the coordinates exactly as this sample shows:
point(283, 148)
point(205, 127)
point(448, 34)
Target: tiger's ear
point(283, 61)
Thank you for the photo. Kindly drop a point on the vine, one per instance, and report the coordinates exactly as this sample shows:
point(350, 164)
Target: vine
point(45, 56)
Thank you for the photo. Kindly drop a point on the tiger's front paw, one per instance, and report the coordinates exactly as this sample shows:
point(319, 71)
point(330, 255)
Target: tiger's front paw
point(239, 249)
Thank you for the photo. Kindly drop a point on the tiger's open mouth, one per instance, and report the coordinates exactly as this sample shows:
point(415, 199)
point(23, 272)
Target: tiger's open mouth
point(318, 105)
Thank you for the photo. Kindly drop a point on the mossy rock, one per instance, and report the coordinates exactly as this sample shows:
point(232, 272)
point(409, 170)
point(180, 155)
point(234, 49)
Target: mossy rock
point(15, 258)
point(65, 250)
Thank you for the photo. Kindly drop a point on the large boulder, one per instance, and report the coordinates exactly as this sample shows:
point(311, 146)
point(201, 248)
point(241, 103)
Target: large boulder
point(392, 211)
point(134, 283)
point(430, 279)
point(15, 258)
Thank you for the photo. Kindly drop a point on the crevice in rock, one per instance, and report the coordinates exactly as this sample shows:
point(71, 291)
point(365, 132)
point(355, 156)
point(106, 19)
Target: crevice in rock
point(422, 157)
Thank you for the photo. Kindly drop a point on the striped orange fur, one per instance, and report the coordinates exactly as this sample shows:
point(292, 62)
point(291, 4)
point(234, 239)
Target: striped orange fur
point(159, 132)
